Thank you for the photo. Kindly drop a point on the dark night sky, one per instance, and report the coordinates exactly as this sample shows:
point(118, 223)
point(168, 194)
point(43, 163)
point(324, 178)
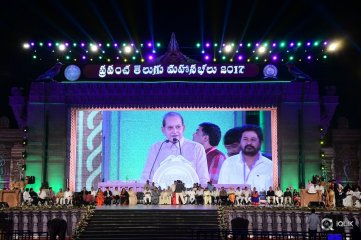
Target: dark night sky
point(192, 21)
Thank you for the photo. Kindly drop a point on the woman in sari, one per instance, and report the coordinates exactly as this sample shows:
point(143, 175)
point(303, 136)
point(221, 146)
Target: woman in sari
point(99, 198)
point(124, 197)
point(255, 197)
point(296, 198)
point(132, 197)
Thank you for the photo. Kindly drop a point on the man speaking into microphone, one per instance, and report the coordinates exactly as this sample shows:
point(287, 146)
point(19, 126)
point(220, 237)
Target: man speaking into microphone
point(175, 144)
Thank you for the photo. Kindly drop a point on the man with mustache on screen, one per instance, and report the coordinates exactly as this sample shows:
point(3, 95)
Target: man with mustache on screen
point(175, 144)
point(249, 166)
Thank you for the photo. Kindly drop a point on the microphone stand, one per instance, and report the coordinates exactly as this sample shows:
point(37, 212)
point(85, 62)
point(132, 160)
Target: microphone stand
point(180, 149)
point(150, 173)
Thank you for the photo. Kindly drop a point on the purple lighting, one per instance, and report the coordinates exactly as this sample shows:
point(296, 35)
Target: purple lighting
point(240, 57)
point(82, 44)
point(274, 58)
point(325, 43)
point(115, 44)
point(149, 44)
point(257, 44)
point(32, 43)
point(292, 44)
point(83, 57)
point(241, 44)
point(208, 45)
point(274, 44)
point(308, 44)
point(49, 44)
point(150, 57)
point(309, 57)
point(206, 57)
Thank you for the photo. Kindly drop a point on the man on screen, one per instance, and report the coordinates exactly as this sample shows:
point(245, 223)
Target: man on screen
point(175, 144)
point(209, 135)
point(249, 166)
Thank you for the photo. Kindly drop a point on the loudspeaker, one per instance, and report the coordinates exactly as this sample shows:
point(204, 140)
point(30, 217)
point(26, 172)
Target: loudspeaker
point(316, 204)
point(31, 179)
point(4, 205)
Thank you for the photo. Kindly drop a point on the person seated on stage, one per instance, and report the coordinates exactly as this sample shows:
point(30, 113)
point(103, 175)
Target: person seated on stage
point(43, 196)
point(279, 196)
point(308, 185)
point(82, 195)
point(132, 197)
point(89, 199)
point(26, 197)
point(207, 199)
point(155, 195)
point(231, 195)
point(356, 196)
point(191, 194)
point(347, 201)
point(223, 195)
point(255, 197)
point(215, 196)
point(238, 193)
point(270, 196)
point(165, 197)
point(199, 195)
point(246, 194)
point(296, 198)
point(60, 197)
point(68, 196)
point(116, 196)
point(311, 189)
point(99, 197)
point(107, 196)
point(34, 196)
point(93, 192)
point(52, 198)
point(338, 194)
point(287, 196)
point(124, 197)
point(147, 196)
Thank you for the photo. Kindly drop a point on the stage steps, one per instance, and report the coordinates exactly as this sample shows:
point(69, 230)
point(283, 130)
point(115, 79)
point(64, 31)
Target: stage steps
point(149, 224)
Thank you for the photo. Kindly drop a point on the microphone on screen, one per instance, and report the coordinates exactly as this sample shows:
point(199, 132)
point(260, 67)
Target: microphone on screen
point(166, 141)
point(176, 140)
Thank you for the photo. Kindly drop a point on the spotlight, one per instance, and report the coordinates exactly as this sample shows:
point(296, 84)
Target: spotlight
point(26, 45)
point(23, 155)
point(127, 49)
point(25, 129)
point(334, 46)
point(227, 48)
point(25, 142)
point(62, 47)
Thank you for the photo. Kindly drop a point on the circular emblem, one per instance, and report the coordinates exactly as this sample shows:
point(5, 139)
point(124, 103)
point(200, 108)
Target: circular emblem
point(72, 72)
point(270, 71)
point(175, 168)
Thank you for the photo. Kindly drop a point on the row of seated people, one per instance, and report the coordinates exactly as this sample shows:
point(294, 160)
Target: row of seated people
point(335, 194)
point(46, 196)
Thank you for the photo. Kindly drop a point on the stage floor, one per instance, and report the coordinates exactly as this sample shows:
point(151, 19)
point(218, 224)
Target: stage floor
point(158, 207)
